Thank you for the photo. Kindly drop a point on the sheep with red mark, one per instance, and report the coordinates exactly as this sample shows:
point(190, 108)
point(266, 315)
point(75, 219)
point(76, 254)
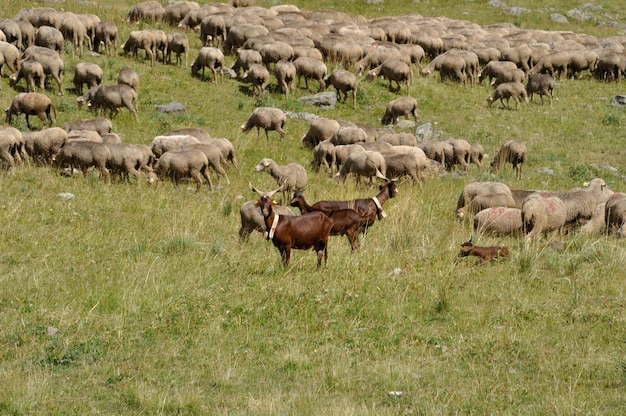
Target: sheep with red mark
point(294, 232)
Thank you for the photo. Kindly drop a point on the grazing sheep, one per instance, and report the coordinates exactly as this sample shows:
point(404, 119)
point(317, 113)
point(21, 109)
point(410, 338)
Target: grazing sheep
point(368, 164)
point(31, 71)
point(128, 76)
point(30, 104)
point(324, 155)
point(403, 106)
point(541, 212)
point(252, 219)
point(498, 220)
point(581, 203)
point(179, 164)
point(514, 152)
point(106, 35)
point(489, 194)
point(275, 51)
point(111, 97)
point(291, 177)
point(215, 158)
point(75, 32)
point(508, 90)
point(50, 37)
point(209, 57)
point(141, 39)
point(341, 152)
point(285, 73)
point(542, 84)
point(259, 77)
point(349, 135)
point(197, 132)
point(179, 44)
point(212, 29)
point(457, 152)
point(7, 146)
point(86, 73)
point(149, 11)
point(477, 154)
point(311, 68)
point(434, 150)
point(398, 139)
point(84, 135)
point(43, 145)
point(343, 81)
point(165, 143)
point(266, 118)
point(320, 129)
point(394, 70)
point(413, 163)
point(100, 124)
point(111, 138)
point(615, 214)
point(597, 223)
point(51, 62)
point(495, 68)
point(11, 31)
point(128, 159)
point(514, 75)
point(82, 155)
point(245, 59)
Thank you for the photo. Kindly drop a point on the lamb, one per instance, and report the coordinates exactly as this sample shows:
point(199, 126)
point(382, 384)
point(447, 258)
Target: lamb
point(368, 164)
point(266, 118)
point(615, 213)
point(285, 73)
point(514, 152)
point(179, 44)
point(498, 220)
point(311, 68)
point(86, 73)
point(31, 71)
point(485, 253)
point(395, 70)
point(542, 212)
point(180, 164)
point(508, 90)
point(100, 124)
point(165, 143)
point(128, 76)
point(43, 145)
point(111, 97)
point(31, 103)
point(252, 219)
point(487, 194)
point(343, 81)
point(258, 76)
point(291, 177)
point(403, 106)
point(542, 84)
point(212, 58)
point(82, 155)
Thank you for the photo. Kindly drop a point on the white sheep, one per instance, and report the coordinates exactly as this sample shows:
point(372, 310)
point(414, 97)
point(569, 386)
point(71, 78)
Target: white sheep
point(498, 220)
point(542, 212)
point(266, 118)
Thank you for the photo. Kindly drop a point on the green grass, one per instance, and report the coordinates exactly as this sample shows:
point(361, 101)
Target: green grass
point(160, 310)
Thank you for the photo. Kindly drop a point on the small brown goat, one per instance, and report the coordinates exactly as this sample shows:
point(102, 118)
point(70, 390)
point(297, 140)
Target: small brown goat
point(485, 253)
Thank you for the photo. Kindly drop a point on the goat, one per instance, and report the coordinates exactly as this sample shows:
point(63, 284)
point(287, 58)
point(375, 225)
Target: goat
point(485, 253)
point(346, 222)
point(298, 232)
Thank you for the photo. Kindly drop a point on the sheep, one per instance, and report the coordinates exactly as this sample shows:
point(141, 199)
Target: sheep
point(129, 77)
point(514, 75)
point(252, 219)
point(149, 11)
point(542, 84)
point(395, 70)
point(106, 35)
point(368, 164)
point(291, 177)
point(285, 73)
point(75, 32)
point(615, 213)
point(457, 152)
point(209, 57)
point(12, 57)
point(84, 135)
point(597, 223)
point(324, 155)
point(82, 155)
point(403, 106)
point(348, 135)
point(51, 62)
point(165, 143)
point(498, 220)
point(238, 34)
point(128, 159)
point(7, 146)
point(100, 124)
point(214, 156)
point(226, 147)
point(212, 28)
point(311, 68)
point(28, 32)
point(111, 97)
point(489, 194)
point(175, 12)
point(31, 71)
point(111, 138)
point(341, 152)
point(86, 73)
point(198, 132)
point(477, 154)
point(258, 76)
point(178, 164)
point(398, 139)
point(266, 118)
point(245, 59)
point(43, 145)
point(12, 32)
point(50, 37)
point(542, 212)
point(582, 202)
point(320, 129)
point(434, 150)
point(31, 103)
point(141, 39)
point(343, 81)
point(494, 68)
point(274, 52)
point(508, 90)
point(179, 44)
point(413, 163)
point(514, 152)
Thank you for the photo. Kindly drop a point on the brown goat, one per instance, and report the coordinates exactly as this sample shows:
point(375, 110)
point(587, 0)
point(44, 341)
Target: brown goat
point(298, 232)
point(485, 253)
point(346, 222)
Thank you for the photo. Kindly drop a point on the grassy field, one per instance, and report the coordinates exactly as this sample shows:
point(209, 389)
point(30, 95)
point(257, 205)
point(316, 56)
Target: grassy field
point(139, 300)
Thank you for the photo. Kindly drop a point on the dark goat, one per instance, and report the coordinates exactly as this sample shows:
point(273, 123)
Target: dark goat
point(346, 222)
point(298, 232)
point(485, 253)
point(365, 207)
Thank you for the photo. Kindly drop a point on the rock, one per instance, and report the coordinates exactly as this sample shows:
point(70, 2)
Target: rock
point(515, 11)
point(406, 124)
point(51, 331)
point(302, 116)
point(424, 132)
point(546, 171)
point(229, 73)
point(579, 15)
point(322, 99)
point(497, 3)
point(558, 18)
point(619, 101)
point(66, 195)
point(173, 107)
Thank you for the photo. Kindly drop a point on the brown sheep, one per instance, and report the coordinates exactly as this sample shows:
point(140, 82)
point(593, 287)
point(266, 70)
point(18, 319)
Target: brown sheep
point(30, 104)
point(508, 90)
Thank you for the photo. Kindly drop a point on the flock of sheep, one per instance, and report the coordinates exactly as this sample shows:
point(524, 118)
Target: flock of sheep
point(292, 44)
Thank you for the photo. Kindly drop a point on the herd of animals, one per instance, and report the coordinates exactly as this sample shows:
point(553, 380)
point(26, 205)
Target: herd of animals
point(291, 44)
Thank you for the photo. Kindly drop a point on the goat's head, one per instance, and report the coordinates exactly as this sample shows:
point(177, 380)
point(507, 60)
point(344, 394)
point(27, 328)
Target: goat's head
point(266, 199)
point(467, 248)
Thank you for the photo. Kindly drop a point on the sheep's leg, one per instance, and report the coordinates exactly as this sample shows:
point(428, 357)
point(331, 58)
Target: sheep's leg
point(205, 173)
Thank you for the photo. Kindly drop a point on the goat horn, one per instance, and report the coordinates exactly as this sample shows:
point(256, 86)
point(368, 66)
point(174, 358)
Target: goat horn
point(380, 175)
point(252, 188)
point(271, 194)
point(470, 239)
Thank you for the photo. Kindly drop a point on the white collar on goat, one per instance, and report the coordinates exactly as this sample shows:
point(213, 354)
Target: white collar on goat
point(272, 230)
point(382, 213)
